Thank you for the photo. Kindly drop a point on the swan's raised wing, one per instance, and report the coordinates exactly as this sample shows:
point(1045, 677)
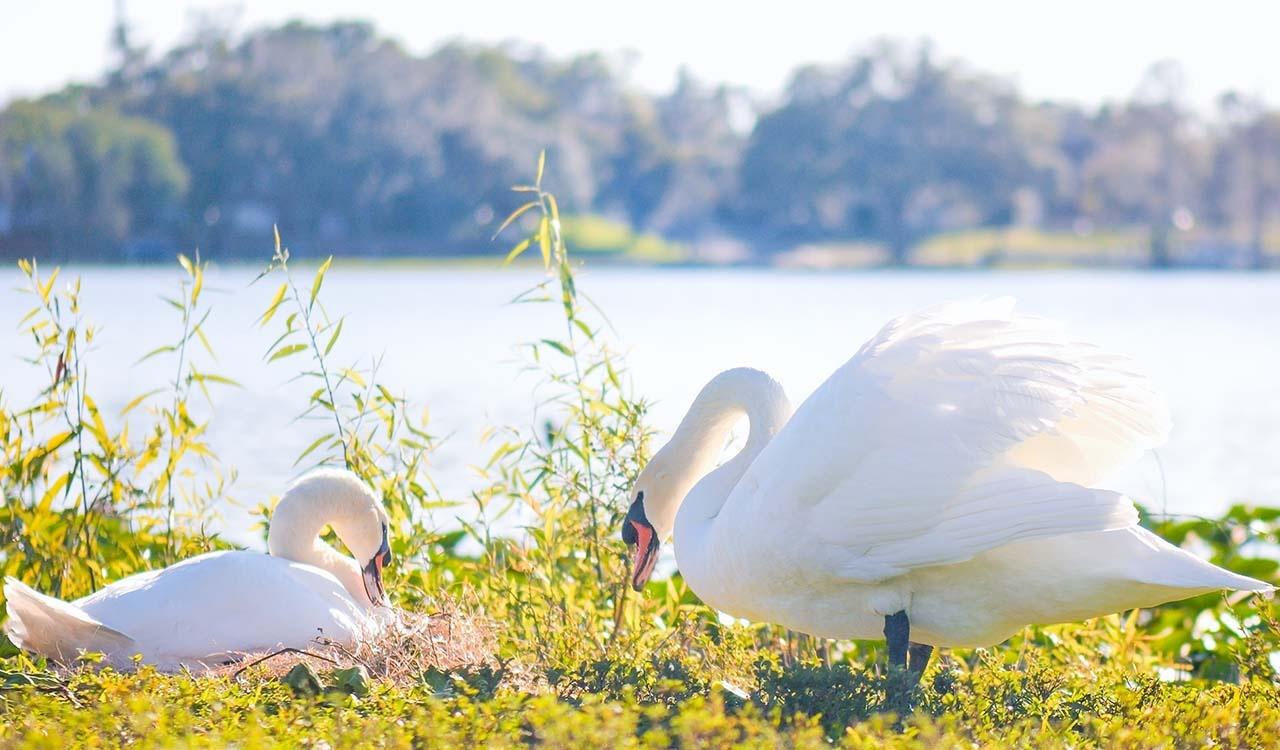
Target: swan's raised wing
point(956, 430)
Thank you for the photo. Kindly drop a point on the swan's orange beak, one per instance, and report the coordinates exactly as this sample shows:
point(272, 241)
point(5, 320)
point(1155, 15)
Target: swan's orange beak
point(372, 573)
point(640, 535)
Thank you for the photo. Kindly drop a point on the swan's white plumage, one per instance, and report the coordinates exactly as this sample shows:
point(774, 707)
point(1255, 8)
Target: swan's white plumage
point(944, 470)
point(925, 436)
point(213, 608)
point(201, 612)
point(51, 626)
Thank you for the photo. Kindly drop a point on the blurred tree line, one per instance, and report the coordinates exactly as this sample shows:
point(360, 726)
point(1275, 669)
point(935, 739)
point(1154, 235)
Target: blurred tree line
point(357, 146)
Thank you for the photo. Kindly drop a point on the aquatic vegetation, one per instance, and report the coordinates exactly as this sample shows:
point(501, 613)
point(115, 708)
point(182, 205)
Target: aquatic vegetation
point(535, 637)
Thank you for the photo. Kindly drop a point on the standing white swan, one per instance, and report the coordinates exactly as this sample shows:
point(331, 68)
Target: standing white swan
point(934, 489)
point(216, 607)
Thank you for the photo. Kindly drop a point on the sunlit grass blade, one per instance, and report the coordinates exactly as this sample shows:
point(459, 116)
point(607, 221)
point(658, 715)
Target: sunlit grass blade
point(319, 279)
point(311, 448)
point(208, 377)
point(544, 241)
point(156, 352)
point(558, 346)
point(520, 247)
point(47, 287)
point(137, 400)
point(333, 339)
point(512, 217)
point(287, 351)
point(274, 305)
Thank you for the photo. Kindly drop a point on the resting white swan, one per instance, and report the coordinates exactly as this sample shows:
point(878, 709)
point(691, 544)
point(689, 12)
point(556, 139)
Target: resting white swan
point(934, 489)
point(213, 608)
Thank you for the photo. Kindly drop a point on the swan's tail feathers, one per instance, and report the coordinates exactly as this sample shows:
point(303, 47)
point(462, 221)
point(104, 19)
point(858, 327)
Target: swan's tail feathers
point(1237, 582)
point(1246, 586)
point(1175, 567)
point(1241, 586)
point(56, 629)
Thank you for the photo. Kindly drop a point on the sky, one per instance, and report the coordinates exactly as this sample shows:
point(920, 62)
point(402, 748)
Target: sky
point(1085, 51)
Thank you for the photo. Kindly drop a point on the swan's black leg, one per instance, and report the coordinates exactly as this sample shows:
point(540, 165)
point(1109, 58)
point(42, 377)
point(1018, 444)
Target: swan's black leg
point(897, 634)
point(917, 659)
point(902, 678)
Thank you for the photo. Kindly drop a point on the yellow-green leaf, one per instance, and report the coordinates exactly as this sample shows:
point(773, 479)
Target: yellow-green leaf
point(315, 285)
point(154, 352)
point(520, 247)
point(555, 209)
point(59, 484)
point(565, 350)
point(286, 351)
point(514, 215)
point(57, 441)
point(544, 241)
point(334, 338)
point(47, 286)
point(353, 376)
point(204, 341)
point(208, 377)
point(138, 400)
point(311, 448)
point(97, 426)
point(275, 300)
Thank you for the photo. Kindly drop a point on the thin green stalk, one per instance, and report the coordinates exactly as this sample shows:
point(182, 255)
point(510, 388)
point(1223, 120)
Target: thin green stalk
point(178, 398)
point(569, 296)
point(305, 311)
point(79, 459)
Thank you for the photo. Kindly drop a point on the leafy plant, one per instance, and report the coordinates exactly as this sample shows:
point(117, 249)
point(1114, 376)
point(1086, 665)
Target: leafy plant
point(363, 425)
point(86, 503)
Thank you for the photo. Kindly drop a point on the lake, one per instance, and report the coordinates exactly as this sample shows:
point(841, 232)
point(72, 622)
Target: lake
point(448, 335)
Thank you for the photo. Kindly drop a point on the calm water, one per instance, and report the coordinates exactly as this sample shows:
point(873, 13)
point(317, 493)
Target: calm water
point(1211, 341)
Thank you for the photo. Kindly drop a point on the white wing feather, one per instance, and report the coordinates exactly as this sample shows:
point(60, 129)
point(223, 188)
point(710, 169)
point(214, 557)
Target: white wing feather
point(953, 431)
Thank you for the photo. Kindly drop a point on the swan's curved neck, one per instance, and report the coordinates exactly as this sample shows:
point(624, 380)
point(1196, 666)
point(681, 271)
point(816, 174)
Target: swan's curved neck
point(299, 518)
point(701, 437)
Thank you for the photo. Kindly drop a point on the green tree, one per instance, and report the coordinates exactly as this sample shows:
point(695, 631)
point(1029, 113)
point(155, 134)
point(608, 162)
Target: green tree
point(1243, 190)
point(87, 180)
point(891, 146)
point(1149, 160)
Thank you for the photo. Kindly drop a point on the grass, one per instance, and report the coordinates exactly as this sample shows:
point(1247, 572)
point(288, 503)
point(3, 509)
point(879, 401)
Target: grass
point(1026, 245)
point(984, 247)
point(1036, 702)
point(595, 234)
point(534, 639)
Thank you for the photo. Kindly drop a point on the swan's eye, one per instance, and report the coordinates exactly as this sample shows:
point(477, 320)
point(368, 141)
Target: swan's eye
point(640, 496)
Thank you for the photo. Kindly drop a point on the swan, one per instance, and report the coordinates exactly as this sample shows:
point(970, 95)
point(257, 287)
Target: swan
point(936, 490)
point(214, 608)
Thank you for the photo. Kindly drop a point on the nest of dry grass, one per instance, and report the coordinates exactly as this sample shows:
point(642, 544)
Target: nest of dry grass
point(449, 638)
